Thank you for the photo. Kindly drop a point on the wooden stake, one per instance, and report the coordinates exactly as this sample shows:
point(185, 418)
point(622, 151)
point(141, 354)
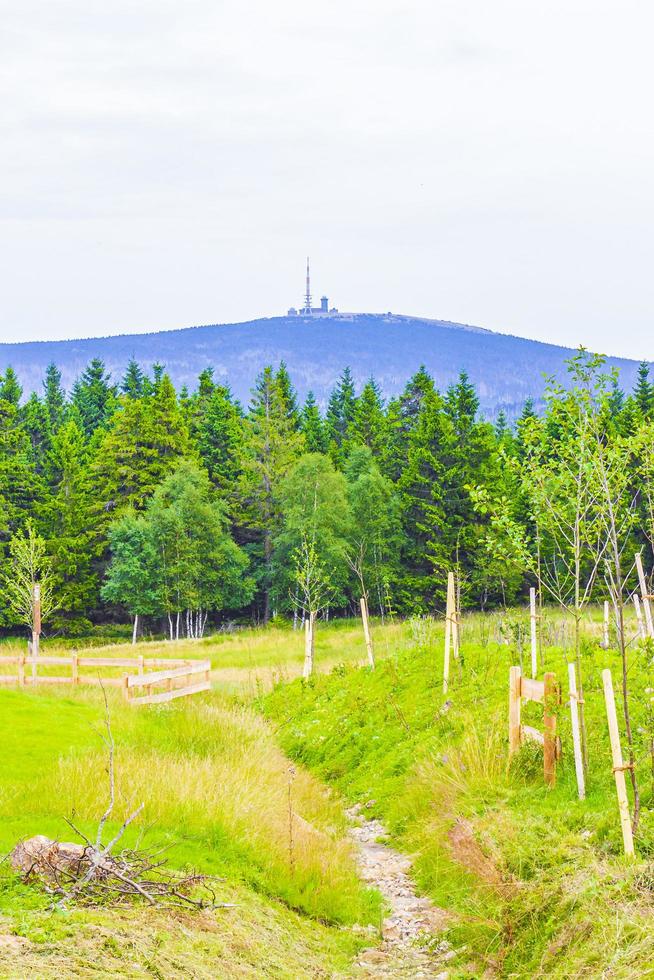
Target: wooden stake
point(21, 670)
point(75, 668)
point(454, 609)
point(618, 764)
point(532, 622)
point(308, 645)
point(448, 637)
point(366, 631)
point(644, 595)
point(576, 735)
point(514, 710)
point(639, 617)
point(549, 728)
point(605, 641)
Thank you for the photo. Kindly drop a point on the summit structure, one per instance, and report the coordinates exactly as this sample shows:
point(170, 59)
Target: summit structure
point(306, 308)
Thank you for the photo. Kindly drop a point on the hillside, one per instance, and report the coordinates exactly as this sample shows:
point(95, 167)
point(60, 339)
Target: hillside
point(506, 370)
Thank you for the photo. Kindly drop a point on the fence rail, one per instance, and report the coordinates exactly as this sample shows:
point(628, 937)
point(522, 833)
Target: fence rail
point(178, 676)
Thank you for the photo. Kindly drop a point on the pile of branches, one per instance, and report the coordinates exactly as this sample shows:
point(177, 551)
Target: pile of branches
point(92, 876)
point(93, 873)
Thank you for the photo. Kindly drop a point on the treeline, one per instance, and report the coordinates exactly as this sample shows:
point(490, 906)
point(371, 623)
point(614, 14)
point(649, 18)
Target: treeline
point(131, 497)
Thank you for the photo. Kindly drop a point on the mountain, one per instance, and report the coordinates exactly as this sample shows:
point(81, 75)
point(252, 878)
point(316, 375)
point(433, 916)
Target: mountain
point(506, 370)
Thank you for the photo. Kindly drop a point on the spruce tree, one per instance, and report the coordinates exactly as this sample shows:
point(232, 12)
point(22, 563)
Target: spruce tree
point(271, 446)
point(94, 397)
point(644, 391)
point(368, 426)
point(54, 396)
point(313, 427)
point(288, 395)
point(10, 388)
point(340, 415)
point(71, 528)
point(132, 384)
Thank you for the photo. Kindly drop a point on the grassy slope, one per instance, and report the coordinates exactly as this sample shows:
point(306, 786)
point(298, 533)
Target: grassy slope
point(535, 876)
point(216, 792)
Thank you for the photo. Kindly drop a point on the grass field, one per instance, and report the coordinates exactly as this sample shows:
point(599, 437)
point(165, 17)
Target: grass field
point(534, 878)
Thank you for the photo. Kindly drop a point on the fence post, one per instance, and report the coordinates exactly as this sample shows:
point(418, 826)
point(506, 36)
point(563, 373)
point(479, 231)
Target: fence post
point(21, 670)
point(366, 631)
point(618, 764)
point(75, 668)
point(141, 661)
point(644, 595)
point(549, 728)
point(514, 710)
point(576, 737)
point(448, 637)
point(308, 646)
point(126, 687)
point(532, 623)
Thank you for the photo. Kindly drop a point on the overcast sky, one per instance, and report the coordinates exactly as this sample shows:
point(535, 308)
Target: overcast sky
point(166, 164)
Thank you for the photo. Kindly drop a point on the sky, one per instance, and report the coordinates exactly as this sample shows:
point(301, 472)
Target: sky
point(166, 164)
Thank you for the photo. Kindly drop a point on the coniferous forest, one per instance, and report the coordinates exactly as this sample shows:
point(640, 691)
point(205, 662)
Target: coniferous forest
point(128, 499)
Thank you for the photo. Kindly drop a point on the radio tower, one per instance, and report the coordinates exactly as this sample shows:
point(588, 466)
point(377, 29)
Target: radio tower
point(307, 298)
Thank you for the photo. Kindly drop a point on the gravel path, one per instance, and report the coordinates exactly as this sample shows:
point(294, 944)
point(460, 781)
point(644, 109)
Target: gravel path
point(412, 922)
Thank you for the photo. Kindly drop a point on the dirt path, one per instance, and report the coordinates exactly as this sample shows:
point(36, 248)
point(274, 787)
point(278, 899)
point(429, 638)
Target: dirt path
point(412, 921)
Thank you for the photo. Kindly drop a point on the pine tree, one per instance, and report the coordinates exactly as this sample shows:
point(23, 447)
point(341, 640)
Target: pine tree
point(288, 395)
point(340, 415)
point(54, 396)
point(401, 417)
point(271, 446)
point(143, 443)
point(94, 397)
point(368, 426)
point(132, 384)
point(644, 391)
point(70, 520)
point(10, 388)
point(313, 427)
point(217, 429)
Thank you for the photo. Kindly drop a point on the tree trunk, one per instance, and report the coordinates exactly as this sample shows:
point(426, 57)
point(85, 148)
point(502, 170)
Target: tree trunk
point(135, 629)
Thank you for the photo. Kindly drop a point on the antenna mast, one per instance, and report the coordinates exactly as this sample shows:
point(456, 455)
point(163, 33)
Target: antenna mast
point(307, 298)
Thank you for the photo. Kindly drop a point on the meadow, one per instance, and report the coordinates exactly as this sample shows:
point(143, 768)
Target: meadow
point(533, 880)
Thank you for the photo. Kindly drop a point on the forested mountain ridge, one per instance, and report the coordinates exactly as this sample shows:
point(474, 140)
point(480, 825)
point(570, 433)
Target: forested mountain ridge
point(505, 370)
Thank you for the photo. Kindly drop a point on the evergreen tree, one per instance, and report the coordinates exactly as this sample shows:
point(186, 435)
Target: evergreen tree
point(644, 391)
point(288, 395)
point(368, 426)
point(54, 396)
point(402, 415)
point(133, 383)
point(218, 432)
point(340, 415)
point(312, 426)
point(10, 388)
point(271, 446)
point(72, 533)
point(143, 443)
point(93, 397)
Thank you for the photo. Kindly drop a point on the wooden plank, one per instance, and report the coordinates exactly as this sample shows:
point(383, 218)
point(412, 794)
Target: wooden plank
point(644, 595)
point(532, 690)
point(156, 677)
point(179, 692)
point(549, 728)
point(533, 735)
point(532, 624)
point(618, 764)
point(106, 681)
point(49, 661)
point(514, 710)
point(576, 733)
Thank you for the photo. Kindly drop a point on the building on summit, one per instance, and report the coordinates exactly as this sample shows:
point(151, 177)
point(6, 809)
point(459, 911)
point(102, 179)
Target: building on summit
point(307, 309)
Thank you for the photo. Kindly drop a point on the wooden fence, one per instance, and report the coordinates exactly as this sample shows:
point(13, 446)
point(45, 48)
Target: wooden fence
point(176, 678)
